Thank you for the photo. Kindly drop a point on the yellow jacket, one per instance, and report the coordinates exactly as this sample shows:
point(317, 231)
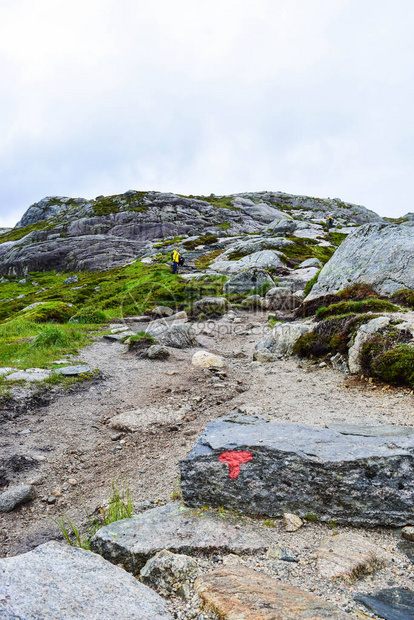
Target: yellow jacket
point(176, 256)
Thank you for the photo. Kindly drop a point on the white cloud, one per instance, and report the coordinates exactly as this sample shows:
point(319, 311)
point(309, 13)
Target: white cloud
point(304, 96)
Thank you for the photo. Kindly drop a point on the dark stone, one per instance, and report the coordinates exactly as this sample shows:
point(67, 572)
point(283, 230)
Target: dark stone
point(408, 548)
point(301, 469)
point(391, 604)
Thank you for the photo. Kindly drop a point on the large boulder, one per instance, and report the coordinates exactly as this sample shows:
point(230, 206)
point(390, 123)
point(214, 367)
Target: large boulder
point(59, 581)
point(257, 467)
point(178, 336)
point(248, 280)
point(132, 542)
point(210, 305)
point(282, 298)
point(298, 279)
point(283, 337)
point(381, 255)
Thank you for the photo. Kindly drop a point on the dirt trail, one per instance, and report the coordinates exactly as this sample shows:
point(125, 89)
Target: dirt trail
point(78, 459)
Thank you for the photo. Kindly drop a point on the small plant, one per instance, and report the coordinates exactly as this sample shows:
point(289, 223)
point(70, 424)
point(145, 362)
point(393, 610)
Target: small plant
point(120, 506)
point(51, 336)
point(310, 516)
point(269, 523)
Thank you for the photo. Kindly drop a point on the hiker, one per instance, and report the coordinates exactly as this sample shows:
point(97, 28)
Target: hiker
point(176, 259)
point(329, 222)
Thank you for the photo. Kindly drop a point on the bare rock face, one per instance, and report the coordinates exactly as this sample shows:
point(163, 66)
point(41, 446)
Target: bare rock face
point(245, 463)
point(58, 581)
point(238, 593)
point(381, 255)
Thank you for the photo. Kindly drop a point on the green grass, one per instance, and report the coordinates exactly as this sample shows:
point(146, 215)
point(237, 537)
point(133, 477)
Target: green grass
point(365, 305)
point(220, 202)
point(223, 225)
point(120, 506)
point(311, 282)
point(24, 344)
point(307, 248)
point(205, 261)
point(89, 316)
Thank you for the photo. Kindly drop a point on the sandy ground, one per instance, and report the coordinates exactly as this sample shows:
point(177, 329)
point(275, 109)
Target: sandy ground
point(78, 458)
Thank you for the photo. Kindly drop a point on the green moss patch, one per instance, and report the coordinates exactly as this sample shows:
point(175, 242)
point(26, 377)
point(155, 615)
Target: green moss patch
point(202, 240)
point(330, 336)
point(388, 357)
point(404, 297)
point(365, 305)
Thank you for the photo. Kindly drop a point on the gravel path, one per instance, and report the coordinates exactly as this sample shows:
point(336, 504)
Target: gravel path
point(78, 457)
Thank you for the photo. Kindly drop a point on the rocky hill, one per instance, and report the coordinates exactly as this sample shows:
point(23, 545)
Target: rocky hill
point(249, 417)
point(75, 234)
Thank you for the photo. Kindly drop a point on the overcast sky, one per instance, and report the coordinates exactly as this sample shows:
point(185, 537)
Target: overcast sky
point(198, 96)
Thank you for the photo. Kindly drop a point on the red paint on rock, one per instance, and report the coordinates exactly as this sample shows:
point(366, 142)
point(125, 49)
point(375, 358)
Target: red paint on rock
point(234, 460)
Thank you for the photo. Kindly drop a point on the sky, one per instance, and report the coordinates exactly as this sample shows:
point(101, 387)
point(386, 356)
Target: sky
point(309, 97)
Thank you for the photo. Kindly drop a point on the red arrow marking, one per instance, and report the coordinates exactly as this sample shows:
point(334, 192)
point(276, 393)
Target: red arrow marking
point(234, 460)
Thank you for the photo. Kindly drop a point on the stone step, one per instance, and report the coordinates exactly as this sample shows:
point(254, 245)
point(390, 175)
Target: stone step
point(174, 527)
point(351, 479)
point(240, 593)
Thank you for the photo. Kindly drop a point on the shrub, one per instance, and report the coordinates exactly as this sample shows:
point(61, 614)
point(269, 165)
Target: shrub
point(395, 366)
point(404, 297)
point(331, 335)
point(51, 337)
point(50, 311)
point(365, 305)
point(89, 316)
point(388, 357)
point(357, 292)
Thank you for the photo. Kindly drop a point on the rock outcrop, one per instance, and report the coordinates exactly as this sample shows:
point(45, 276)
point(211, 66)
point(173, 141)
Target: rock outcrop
point(282, 338)
point(75, 234)
point(381, 255)
point(245, 463)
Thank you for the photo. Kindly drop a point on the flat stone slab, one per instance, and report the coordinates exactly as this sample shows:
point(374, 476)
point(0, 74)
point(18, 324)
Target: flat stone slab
point(59, 581)
point(178, 529)
point(245, 463)
point(240, 593)
point(350, 556)
point(372, 430)
point(72, 371)
point(31, 375)
point(390, 604)
point(119, 337)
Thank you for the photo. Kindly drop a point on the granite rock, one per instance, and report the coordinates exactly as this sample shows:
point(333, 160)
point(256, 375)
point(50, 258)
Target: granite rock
point(178, 529)
point(58, 581)
point(245, 463)
point(380, 255)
